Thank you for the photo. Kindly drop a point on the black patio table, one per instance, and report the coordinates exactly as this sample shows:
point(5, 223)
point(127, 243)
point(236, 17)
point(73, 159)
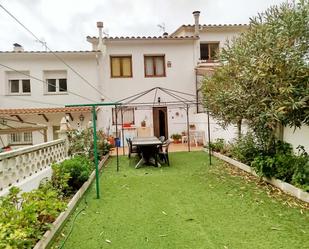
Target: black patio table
point(148, 147)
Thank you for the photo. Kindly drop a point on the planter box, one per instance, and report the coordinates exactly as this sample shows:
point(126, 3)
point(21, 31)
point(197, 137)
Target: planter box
point(49, 235)
point(285, 187)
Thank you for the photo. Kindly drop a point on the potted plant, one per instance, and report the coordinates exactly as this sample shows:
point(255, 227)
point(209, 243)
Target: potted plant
point(176, 137)
point(192, 126)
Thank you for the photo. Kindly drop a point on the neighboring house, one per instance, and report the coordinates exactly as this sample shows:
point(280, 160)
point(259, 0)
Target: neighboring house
point(35, 87)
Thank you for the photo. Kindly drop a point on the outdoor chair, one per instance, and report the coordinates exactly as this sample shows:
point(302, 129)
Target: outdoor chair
point(162, 139)
point(163, 152)
point(131, 149)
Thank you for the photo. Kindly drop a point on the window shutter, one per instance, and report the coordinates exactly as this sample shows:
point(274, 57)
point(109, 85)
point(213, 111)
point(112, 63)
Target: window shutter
point(126, 67)
point(116, 67)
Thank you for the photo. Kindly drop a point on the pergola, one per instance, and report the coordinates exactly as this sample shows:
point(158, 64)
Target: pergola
point(177, 99)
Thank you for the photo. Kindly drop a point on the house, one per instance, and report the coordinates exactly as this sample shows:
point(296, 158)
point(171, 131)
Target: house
point(35, 87)
point(178, 62)
point(161, 72)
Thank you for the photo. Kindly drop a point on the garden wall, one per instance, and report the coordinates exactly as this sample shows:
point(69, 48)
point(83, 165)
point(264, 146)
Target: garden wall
point(26, 167)
point(285, 187)
point(57, 224)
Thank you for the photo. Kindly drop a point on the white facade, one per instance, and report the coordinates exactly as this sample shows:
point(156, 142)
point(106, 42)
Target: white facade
point(37, 65)
point(183, 72)
point(42, 66)
point(181, 51)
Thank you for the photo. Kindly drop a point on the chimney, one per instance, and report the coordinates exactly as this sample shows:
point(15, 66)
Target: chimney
point(196, 15)
point(100, 27)
point(17, 47)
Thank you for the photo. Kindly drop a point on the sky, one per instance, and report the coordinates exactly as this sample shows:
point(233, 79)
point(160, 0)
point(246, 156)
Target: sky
point(65, 24)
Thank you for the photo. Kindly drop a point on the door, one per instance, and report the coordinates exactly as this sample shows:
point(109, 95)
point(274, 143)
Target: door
point(160, 127)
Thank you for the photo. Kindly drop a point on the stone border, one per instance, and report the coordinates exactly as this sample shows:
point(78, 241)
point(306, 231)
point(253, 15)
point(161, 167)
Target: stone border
point(49, 235)
point(284, 186)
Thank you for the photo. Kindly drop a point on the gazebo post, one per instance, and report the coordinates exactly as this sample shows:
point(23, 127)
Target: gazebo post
point(188, 130)
point(209, 148)
point(122, 131)
point(94, 125)
point(117, 152)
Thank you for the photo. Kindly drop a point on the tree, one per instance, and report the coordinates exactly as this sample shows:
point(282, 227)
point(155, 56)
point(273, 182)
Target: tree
point(264, 77)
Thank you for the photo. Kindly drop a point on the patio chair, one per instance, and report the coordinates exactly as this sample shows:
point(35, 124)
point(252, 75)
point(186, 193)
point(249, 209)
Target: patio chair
point(131, 149)
point(163, 152)
point(162, 139)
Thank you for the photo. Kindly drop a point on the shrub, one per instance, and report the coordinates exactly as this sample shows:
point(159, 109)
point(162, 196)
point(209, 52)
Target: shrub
point(264, 165)
point(245, 149)
point(285, 165)
point(69, 175)
point(217, 145)
point(176, 136)
point(81, 143)
point(301, 174)
point(104, 147)
point(280, 166)
point(24, 218)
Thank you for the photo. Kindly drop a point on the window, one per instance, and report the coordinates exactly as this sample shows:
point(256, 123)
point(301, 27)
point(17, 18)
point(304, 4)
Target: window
point(20, 138)
point(154, 66)
point(121, 66)
point(127, 113)
point(56, 82)
point(209, 51)
point(18, 84)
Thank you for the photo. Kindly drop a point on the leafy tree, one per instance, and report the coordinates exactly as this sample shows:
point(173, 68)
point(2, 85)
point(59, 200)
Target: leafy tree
point(264, 77)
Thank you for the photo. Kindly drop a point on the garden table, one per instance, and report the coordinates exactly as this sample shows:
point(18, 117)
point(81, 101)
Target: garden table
point(148, 147)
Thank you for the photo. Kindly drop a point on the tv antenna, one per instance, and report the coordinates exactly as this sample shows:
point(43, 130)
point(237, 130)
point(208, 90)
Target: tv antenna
point(43, 43)
point(105, 32)
point(162, 27)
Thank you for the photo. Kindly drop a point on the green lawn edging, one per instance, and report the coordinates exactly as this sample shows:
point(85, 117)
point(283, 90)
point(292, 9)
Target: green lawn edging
point(284, 186)
point(57, 224)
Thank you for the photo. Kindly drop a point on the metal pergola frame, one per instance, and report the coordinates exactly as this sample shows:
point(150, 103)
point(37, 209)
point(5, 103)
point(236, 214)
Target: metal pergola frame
point(95, 149)
point(182, 100)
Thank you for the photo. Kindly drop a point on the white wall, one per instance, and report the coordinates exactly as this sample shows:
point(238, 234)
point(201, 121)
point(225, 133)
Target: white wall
point(216, 34)
point(297, 137)
point(180, 76)
point(36, 63)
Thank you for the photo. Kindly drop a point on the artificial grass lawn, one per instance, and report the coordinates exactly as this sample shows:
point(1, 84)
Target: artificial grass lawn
point(187, 205)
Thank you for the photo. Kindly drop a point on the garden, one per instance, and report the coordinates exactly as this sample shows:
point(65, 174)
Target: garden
point(264, 83)
point(187, 205)
point(281, 163)
point(25, 217)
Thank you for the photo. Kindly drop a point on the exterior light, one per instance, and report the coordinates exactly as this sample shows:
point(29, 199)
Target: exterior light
point(81, 117)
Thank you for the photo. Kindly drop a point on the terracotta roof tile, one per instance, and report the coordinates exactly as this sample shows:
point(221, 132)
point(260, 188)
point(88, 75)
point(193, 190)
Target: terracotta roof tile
point(12, 111)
